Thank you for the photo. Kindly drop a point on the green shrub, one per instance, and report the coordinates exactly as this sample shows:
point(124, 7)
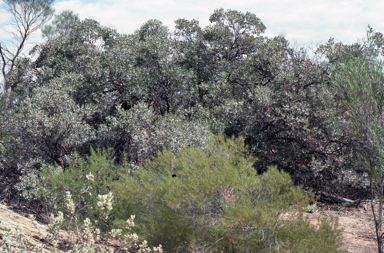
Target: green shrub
point(85, 179)
point(299, 235)
point(213, 200)
point(209, 200)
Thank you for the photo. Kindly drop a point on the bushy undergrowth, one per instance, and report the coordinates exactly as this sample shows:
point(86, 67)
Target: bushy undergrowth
point(298, 235)
point(198, 200)
point(86, 239)
point(212, 200)
point(84, 178)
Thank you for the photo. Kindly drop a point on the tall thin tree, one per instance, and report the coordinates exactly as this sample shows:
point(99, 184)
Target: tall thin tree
point(359, 88)
point(28, 17)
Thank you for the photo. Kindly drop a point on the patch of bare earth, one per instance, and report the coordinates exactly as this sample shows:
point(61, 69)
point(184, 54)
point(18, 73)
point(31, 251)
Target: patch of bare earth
point(357, 224)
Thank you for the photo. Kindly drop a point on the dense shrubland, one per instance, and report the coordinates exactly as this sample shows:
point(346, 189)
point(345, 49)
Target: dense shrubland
point(134, 110)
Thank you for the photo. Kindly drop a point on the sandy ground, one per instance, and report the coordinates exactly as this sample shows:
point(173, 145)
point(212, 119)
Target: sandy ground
point(356, 222)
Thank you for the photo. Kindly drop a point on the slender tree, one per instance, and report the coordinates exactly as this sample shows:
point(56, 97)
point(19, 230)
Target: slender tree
point(29, 16)
point(359, 89)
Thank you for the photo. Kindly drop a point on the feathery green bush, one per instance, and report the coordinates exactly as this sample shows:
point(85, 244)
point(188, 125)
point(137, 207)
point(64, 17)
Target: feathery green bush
point(213, 200)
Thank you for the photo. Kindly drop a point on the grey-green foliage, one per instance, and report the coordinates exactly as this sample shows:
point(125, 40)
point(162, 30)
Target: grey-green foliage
point(83, 87)
point(5, 136)
point(359, 90)
point(294, 129)
point(2, 126)
point(271, 93)
point(153, 77)
point(134, 67)
point(144, 132)
point(142, 92)
point(62, 24)
point(218, 52)
point(150, 90)
point(50, 124)
point(22, 79)
point(106, 71)
point(338, 53)
point(373, 45)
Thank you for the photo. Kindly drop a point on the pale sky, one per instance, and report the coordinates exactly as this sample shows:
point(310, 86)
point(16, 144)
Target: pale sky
point(304, 22)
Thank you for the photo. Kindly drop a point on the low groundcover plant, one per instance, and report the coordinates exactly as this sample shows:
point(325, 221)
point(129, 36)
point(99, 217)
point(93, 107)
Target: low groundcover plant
point(14, 239)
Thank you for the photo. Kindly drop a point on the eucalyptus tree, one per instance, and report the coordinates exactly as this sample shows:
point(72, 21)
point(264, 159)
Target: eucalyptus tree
point(29, 16)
